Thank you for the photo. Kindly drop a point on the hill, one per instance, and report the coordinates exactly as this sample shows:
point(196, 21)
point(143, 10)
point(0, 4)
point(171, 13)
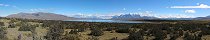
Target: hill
point(40, 16)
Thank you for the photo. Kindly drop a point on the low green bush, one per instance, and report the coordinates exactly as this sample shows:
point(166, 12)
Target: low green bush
point(96, 32)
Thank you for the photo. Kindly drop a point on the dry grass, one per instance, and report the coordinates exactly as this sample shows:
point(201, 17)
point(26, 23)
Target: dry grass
point(108, 35)
point(13, 33)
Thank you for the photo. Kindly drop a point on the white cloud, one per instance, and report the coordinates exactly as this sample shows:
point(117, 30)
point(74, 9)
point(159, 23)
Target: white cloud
point(148, 11)
point(124, 8)
point(10, 6)
point(190, 11)
point(108, 16)
point(103, 16)
point(199, 6)
point(37, 10)
point(172, 15)
point(198, 3)
point(139, 9)
point(175, 16)
point(5, 5)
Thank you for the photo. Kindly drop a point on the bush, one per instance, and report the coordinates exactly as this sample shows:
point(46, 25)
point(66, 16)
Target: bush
point(123, 30)
point(96, 32)
point(71, 37)
point(20, 23)
point(115, 38)
point(187, 36)
point(26, 27)
point(94, 38)
point(110, 29)
point(2, 24)
point(74, 31)
point(81, 29)
point(3, 34)
point(136, 36)
point(11, 25)
point(55, 32)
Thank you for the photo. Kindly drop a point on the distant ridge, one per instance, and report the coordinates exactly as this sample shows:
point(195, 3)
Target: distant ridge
point(132, 17)
point(40, 16)
point(53, 16)
point(202, 18)
point(140, 17)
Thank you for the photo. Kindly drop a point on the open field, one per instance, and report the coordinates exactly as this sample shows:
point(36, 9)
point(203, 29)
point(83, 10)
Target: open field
point(28, 29)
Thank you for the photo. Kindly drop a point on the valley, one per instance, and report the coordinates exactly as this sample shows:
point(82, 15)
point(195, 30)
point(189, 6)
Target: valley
point(32, 29)
point(104, 20)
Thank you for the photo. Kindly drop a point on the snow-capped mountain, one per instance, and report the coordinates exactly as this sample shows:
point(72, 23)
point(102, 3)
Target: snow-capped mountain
point(132, 17)
point(52, 16)
point(142, 17)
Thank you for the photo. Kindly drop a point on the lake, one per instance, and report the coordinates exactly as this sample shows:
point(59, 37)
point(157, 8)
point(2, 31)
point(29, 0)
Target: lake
point(109, 21)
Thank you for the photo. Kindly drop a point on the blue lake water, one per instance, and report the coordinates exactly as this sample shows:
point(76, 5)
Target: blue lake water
point(109, 21)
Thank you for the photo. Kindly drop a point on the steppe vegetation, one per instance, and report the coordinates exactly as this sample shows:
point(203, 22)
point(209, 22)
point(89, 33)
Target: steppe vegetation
point(31, 29)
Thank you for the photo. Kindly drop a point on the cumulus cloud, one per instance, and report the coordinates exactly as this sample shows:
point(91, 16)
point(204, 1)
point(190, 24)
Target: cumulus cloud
point(198, 6)
point(190, 11)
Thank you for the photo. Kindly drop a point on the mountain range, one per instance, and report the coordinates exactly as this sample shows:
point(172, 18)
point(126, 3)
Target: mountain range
point(41, 16)
point(132, 17)
point(139, 17)
point(53, 16)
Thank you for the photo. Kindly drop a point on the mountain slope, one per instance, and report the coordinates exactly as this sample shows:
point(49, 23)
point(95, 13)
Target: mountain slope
point(41, 16)
point(132, 17)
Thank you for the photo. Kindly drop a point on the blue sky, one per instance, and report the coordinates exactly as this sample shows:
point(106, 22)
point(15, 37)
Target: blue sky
point(160, 8)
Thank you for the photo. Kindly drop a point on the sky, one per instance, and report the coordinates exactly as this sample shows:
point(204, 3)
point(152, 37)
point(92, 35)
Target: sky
point(158, 8)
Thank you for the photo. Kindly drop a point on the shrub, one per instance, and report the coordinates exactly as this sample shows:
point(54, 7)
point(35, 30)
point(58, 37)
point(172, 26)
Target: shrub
point(74, 31)
point(81, 29)
point(55, 32)
point(110, 29)
point(2, 24)
point(71, 37)
point(115, 38)
point(3, 34)
point(187, 36)
point(96, 32)
point(20, 23)
point(94, 38)
point(11, 25)
point(123, 30)
point(26, 27)
point(136, 36)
